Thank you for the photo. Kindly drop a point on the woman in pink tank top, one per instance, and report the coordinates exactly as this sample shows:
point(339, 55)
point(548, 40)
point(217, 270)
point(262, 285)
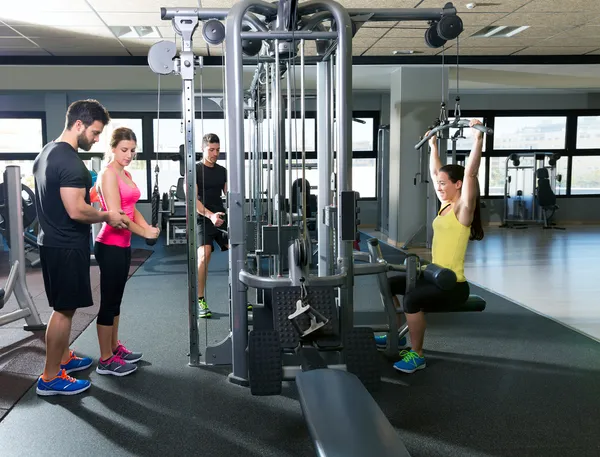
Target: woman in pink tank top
point(117, 192)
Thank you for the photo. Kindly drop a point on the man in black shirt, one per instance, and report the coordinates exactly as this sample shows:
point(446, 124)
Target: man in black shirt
point(62, 200)
point(211, 182)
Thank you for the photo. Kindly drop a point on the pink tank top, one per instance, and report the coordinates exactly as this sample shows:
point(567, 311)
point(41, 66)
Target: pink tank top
point(129, 197)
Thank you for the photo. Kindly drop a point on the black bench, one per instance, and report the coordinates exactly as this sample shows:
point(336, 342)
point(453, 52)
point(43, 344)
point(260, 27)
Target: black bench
point(343, 418)
point(473, 303)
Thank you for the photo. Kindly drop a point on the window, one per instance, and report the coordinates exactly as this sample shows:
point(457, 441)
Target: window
point(560, 174)
point(364, 177)
point(171, 134)
point(530, 132)
point(268, 136)
point(167, 176)
point(103, 145)
point(362, 134)
point(466, 143)
point(588, 132)
point(21, 135)
point(26, 170)
point(585, 175)
point(497, 175)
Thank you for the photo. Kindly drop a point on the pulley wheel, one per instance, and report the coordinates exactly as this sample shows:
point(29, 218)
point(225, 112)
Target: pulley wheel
point(213, 32)
point(432, 38)
point(252, 46)
point(449, 27)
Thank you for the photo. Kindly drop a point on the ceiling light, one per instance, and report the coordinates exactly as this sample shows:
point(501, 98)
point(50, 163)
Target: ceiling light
point(470, 6)
point(499, 31)
point(517, 30)
point(142, 31)
point(403, 51)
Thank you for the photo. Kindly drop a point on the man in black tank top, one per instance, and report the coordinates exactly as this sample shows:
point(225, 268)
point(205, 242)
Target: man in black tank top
point(211, 184)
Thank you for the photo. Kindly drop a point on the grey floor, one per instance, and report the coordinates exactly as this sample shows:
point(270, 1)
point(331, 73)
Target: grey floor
point(505, 382)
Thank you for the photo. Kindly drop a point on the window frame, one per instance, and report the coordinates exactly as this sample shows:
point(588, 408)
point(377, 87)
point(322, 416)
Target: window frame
point(568, 152)
point(25, 115)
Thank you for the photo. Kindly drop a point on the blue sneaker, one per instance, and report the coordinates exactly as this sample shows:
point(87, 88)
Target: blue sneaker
point(62, 384)
point(76, 363)
point(411, 362)
point(381, 342)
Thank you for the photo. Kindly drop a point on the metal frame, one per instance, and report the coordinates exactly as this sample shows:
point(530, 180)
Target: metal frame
point(232, 350)
point(17, 281)
point(537, 213)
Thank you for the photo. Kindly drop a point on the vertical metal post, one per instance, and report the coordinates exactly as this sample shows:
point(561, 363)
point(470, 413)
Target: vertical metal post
point(235, 169)
point(259, 170)
point(278, 156)
point(383, 166)
point(385, 293)
point(187, 69)
point(289, 137)
point(250, 161)
point(324, 154)
point(344, 155)
point(333, 251)
point(268, 118)
point(12, 186)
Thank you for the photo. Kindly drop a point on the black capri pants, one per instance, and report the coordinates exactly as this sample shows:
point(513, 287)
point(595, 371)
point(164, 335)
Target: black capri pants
point(426, 296)
point(114, 263)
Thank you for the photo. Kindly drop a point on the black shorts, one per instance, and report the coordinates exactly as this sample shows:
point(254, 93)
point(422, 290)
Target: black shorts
point(66, 275)
point(427, 296)
point(209, 234)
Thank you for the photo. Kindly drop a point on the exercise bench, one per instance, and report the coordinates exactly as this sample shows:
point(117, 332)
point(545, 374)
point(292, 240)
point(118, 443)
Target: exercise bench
point(342, 417)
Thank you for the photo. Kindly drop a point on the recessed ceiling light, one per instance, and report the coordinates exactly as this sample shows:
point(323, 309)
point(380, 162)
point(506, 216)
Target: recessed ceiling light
point(141, 31)
point(470, 6)
point(403, 51)
point(499, 31)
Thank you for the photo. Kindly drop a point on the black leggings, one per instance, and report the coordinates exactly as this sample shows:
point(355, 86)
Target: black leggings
point(114, 263)
point(427, 296)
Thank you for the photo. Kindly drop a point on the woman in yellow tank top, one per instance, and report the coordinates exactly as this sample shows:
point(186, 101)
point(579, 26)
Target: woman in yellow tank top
point(458, 221)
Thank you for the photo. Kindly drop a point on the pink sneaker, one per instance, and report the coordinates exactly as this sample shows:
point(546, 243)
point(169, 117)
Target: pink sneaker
point(126, 354)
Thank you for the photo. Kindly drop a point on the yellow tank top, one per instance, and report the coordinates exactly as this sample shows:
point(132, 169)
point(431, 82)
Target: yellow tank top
point(450, 239)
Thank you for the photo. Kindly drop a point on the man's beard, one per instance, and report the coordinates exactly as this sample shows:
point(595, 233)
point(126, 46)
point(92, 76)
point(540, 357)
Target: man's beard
point(83, 142)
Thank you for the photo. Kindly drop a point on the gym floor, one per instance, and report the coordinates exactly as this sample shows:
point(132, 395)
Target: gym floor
point(504, 382)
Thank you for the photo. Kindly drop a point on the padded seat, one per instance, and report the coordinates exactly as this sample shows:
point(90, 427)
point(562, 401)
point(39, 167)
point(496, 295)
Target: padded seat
point(473, 303)
point(359, 428)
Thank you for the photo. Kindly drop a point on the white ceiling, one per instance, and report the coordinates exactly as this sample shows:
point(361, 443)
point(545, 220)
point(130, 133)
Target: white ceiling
point(82, 27)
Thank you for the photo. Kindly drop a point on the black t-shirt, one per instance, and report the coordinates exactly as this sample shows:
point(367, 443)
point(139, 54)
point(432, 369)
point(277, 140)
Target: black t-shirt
point(211, 182)
point(59, 165)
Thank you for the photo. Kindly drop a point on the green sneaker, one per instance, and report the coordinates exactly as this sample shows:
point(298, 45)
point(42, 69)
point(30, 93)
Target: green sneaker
point(203, 311)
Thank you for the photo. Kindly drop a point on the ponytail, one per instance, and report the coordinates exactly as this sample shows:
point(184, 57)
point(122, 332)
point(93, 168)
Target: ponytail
point(476, 226)
point(457, 173)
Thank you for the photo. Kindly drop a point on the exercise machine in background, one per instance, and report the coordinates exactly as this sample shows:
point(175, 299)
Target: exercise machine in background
point(530, 186)
point(15, 213)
